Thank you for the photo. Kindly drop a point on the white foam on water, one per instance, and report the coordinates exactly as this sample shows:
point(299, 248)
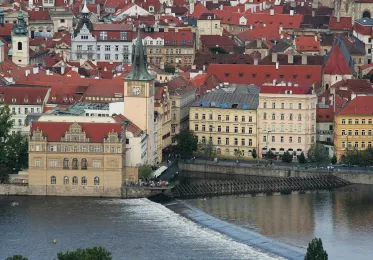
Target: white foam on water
point(186, 230)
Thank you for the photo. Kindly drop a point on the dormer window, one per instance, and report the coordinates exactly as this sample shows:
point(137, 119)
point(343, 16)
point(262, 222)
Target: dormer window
point(209, 17)
point(226, 74)
point(65, 99)
point(151, 8)
point(308, 76)
point(240, 74)
point(71, 99)
point(268, 75)
point(14, 100)
point(25, 100)
point(53, 99)
point(38, 100)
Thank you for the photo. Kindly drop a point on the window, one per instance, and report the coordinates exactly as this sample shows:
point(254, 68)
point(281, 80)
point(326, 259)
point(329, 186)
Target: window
point(66, 163)
point(211, 128)
point(281, 139)
point(116, 48)
point(273, 105)
point(291, 117)
point(84, 180)
point(264, 138)
point(362, 144)
point(103, 36)
point(107, 56)
point(65, 180)
point(299, 117)
point(203, 116)
point(123, 36)
point(282, 128)
point(343, 121)
point(219, 117)
point(250, 142)
point(219, 128)
point(299, 139)
point(227, 141)
point(349, 132)
point(19, 46)
point(343, 144)
point(350, 121)
point(250, 130)
point(369, 132)
point(196, 116)
point(291, 105)
point(282, 117)
point(227, 118)
point(203, 128)
point(343, 132)
point(273, 139)
point(203, 139)
point(363, 121)
point(300, 106)
point(236, 129)
point(219, 140)
point(370, 121)
point(265, 116)
point(79, 47)
point(116, 56)
point(227, 129)
point(242, 141)
point(290, 139)
point(362, 132)
point(265, 104)
point(53, 163)
point(356, 132)
point(243, 118)
point(243, 129)
point(37, 163)
point(236, 118)
point(356, 145)
point(369, 144)
point(273, 116)
point(53, 180)
point(299, 128)
point(75, 180)
point(84, 164)
point(96, 163)
point(273, 128)
point(250, 119)
point(357, 121)
point(235, 141)
point(98, 47)
point(312, 139)
point(282, 105)
point(96, 181)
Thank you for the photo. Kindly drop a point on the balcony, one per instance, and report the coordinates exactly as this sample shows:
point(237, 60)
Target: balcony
point(85, 51)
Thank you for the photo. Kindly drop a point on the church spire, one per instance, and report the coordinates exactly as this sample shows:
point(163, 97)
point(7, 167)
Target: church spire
point(20, 28)
point(139, 62)
point(85, 10)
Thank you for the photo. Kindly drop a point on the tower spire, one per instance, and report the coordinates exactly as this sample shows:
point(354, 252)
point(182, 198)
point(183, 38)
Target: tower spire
point(20, 28)
point(85, 10)
point(139, 62)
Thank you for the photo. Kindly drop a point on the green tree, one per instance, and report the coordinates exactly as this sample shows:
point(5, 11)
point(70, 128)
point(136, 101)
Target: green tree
point(6, 123)
point(238, 153)
point(17, 152)
point(4, 173)
point(287, 157)
point(270, 154)
point(254, 154)
point(302, 158)
point(186, 144)
point(317, 153)
point(334, 159)
point(315, 250)
point(145, 171)
point(17, 257)
point(94, 253)
point(206, 149)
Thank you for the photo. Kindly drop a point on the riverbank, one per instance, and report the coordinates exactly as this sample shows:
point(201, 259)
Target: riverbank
point(198, 170)
point(238, 234)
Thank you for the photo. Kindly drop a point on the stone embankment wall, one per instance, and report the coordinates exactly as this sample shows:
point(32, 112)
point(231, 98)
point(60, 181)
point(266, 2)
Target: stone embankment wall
point(199, 169)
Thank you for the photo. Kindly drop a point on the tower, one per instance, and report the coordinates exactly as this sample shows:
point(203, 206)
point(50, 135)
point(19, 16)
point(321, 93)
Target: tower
point(20, 42)
point(1, 17)
point(139, 96)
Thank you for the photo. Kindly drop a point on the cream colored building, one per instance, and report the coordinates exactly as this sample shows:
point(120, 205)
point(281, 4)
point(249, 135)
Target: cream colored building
point(286, 120)
point(227, 119)
point(20, 43)
point(209, 24)
point(76, 159)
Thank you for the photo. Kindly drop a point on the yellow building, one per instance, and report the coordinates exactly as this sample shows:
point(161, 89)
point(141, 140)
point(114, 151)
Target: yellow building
point(286, 120)
point(76, 159)
point(353, 126)
point(228, 119)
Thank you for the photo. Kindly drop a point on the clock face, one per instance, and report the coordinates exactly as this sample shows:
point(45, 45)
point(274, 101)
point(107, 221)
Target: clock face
point(136, 91)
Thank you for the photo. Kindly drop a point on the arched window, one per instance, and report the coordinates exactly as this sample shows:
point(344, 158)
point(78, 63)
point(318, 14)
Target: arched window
point(218, 151)
point(20, 46)
point(84, 180)
point(66, 163)
point(53, 180)
point(65, 180)
point(291, 117)
point(75, 164)
point(273, 116)
point(299, 117)
point(97, 180)
point(75, 180)
point(366, 14)
point(84, 164)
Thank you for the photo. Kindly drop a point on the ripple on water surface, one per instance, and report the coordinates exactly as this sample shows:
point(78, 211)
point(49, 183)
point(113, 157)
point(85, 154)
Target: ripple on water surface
point(130, 229)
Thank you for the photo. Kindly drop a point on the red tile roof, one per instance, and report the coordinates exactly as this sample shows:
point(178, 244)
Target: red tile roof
point(23, 95)
point(199, 9)
point(287, 21)
point(284, 90)
point(39, 15)
point(307, 43)
point(214, 40)
point(96, 132)
point(337, 63)
point(260, 74)
point(325, 114)
point(112, 27)
point(345, 24)
point(260, 31)
point(361, 105)
point(179, 37)
point(131, 127)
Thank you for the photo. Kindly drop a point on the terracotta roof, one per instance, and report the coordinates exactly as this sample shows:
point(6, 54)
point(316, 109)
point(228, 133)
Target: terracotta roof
point(199, 9)
point(345, 24)
point(112, 27)
point(214, 40)
point(336, 63)
point(287, 21)
point(260, 74)
point(260, 31)
point(131, 127)
point(179, 37)
point(284, 90)
point(96, 132)
point(361, 105)
point(307, 43)
point(325, 114)
point(39, 15)
point(23, 95)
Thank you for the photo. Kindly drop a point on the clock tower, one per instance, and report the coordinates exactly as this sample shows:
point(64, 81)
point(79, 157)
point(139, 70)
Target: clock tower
point(139, 96)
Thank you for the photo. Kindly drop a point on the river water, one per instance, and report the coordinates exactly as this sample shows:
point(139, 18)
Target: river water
point(141, 229)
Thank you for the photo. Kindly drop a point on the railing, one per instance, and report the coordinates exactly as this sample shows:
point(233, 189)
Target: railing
point(85, 51)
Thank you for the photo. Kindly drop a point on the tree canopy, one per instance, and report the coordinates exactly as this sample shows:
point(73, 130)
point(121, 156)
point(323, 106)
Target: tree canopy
point(93, 253)
point(358, 157)
point(317, 153)
point(302, 158)
point(17, 257)
point(186, 143)
point(315, 250)
point(145, 171)
point(287, 157)
point(254, 154)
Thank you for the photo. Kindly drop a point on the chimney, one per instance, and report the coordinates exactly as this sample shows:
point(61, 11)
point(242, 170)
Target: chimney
point(291, 12)
point(293, 4)
point(98, 10)
point(313, 13)
point(47, 72)
point(259, 43)
point(274, 56)
point(191, 8)
point(272, 12)
point(304, 59)
point(277, 65)
point(35, 70)
point(63, 69)
point(204, 68)
point(338, 18)
point(260, 6)
point(290, 58)
point(302, 4)
point(27, 72)
point(256, 60)
point(193, 67)
point(315, 38)
point(221, 7)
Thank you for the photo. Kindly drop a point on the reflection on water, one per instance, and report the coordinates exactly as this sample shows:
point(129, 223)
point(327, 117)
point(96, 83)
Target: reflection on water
point(342, 218)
